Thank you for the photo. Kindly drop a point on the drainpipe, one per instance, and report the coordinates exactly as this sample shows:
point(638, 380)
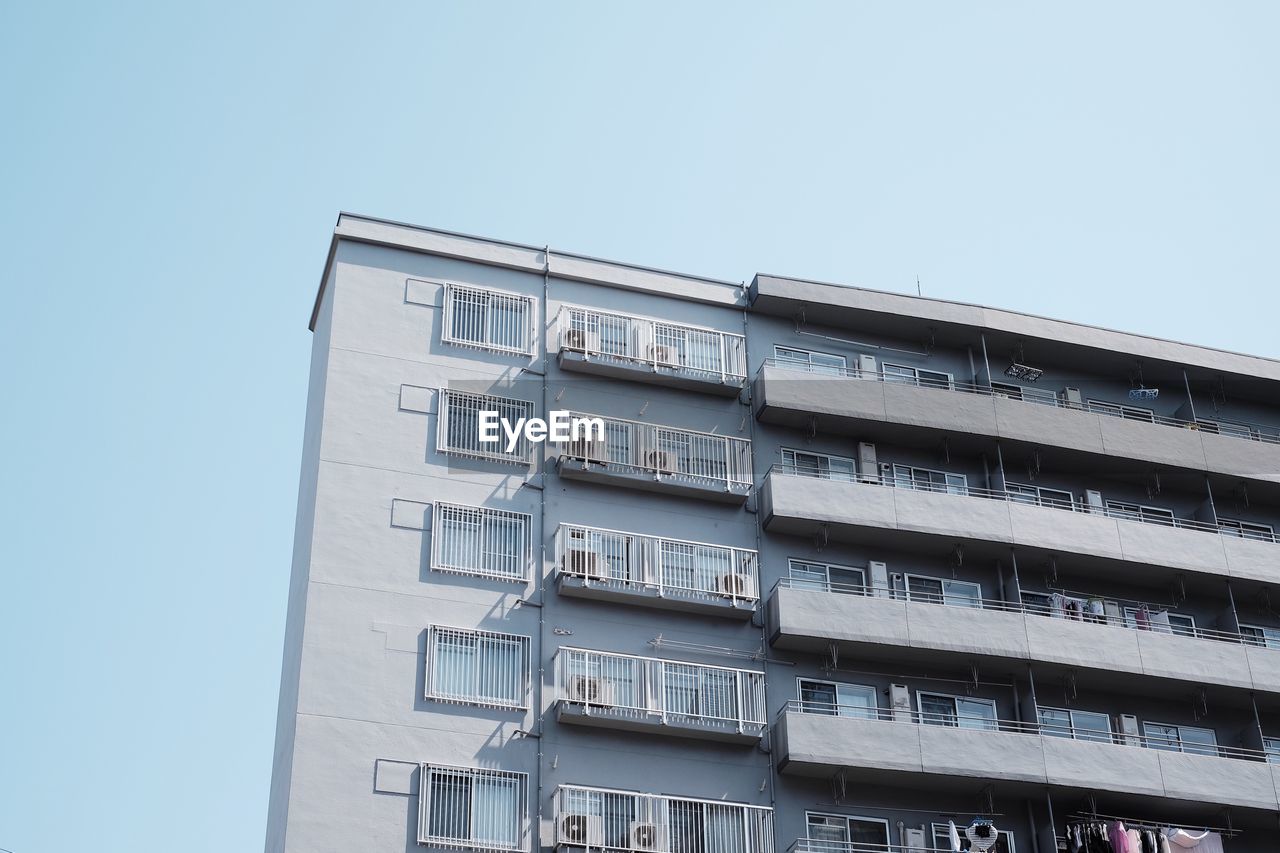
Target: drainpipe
point(986, 361)
point(542, 562)
point(1186, 383)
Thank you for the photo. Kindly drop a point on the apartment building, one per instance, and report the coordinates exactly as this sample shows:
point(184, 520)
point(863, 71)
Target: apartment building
point(843, 567)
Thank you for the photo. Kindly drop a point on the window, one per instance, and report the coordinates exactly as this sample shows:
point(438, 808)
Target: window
point(1037, 602)
point(806, 574)
point(1081, 725)
point(690, 566)
point(942, 839)
point(469, 808)
point(1180, 738)
point(937, 709)
point(1246, 529)
point(489, 319)
point(1030, 395)
point(846, 833)
point(1040, 496)
point(1259, 636)
point(813, 362)
point(1271, 746)
point(1145, 619)
point(1116, 410)
point(1228, 428)
point(904, 476)
point(479, 541)
point(1137, 512)
point(818, 465)
point(481, 667)
point(916, 376)
point(943, 591)
point(836, 699)
point(458, 426)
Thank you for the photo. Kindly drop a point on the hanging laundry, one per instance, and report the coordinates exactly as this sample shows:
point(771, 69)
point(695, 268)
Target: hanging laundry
point(1200, 842)
point(1160, 622)
point(953, 835)
point(1119, 838)
point(1142, 619)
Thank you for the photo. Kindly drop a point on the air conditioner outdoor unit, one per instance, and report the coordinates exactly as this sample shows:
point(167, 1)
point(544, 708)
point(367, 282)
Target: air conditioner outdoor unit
point(1125, 727)
point(648, 836)
point(659, 460)
point(914, 840)
point(582, 340)
point(733, 583)
point(581, 830)
point(584, 563)
point(664, 355)
point(1073, 398)
point(590, 690)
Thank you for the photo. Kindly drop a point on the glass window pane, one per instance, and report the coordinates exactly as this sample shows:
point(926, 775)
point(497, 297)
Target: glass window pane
point(937, 710)
point(975, 714)
point(1091, 726)
point(818, 697)
point(856, 700)
point(1055, 722)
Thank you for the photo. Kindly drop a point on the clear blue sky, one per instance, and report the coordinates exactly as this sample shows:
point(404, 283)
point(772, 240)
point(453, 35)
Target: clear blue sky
point(171, 173)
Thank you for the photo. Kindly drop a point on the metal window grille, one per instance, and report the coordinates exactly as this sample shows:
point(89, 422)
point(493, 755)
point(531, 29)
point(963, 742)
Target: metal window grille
point(667, 566)
point(472, 809)
point(660, 344)
point(487, 319)
point(666, 451)
point(480, 541)
point(637, 686)
point(458, 428)
point(478, 667)
point(598, 818)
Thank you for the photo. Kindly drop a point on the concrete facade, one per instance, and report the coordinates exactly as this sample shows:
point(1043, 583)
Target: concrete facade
point(812, 641)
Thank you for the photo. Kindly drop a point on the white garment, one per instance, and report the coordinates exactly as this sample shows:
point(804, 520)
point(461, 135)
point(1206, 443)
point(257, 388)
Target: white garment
point(1160, 622)
point(954, 835)
point(1204, 842)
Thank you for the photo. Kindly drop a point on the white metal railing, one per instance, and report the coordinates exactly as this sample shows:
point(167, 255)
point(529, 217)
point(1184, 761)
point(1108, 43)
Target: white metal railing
point(665, 452)
point(605, 819)
point(470, 808)
point(973, 722)
point(1002, 495)
point(666, 566)
point(1247, 430)
point(659, 344)
point(477, 540)
point(646, 687)
point(484, 318)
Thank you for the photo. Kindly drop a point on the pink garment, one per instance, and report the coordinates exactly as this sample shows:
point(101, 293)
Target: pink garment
point(1119, 839)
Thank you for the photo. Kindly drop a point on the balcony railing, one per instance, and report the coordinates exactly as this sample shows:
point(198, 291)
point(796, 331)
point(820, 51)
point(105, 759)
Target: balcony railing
point(992, 724)
point(665, 452)
point(1009, 497)
point(662, 690)
point(1266, 433)
point(658, 564)
point(818, 845)
point(660, 345)
point(626, 821)
point(900, 594)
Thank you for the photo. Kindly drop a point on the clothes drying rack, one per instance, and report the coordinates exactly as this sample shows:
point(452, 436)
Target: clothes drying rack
point(1137, 823)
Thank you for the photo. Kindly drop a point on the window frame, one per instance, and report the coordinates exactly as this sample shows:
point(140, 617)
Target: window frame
point(480, 664)
point(453, 290)
point(915, 376)
point(1188, 629)
point(846, 846)
point(1262, 632)
point(955, 701)
point(907, 594)
point(807, 364)
point(863, 587)
point(1039, 495)
point(440, 521)
point(872, 712)
point(1073, 729)
point(1127, 510)
point(823, 459)
point(942, 842)
point(509, 407)
point(1181, 744)
point(430, 772)
point(1039, 396)
point(1238, 527)
point(1120, 410)
point(910, 480)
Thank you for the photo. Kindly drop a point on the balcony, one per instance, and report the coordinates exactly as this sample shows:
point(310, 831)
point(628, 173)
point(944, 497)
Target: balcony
point(846, 399)
point(639, 349)
point(627, 821)
point(886, 622)
point(654, 571)
point(643, 694)
point(652, 458)
point(800, 502)
point(884, 745)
